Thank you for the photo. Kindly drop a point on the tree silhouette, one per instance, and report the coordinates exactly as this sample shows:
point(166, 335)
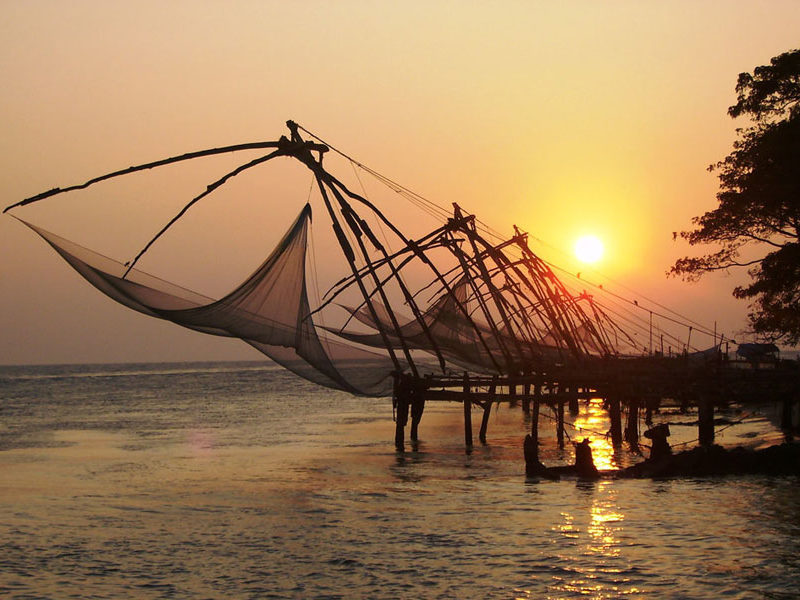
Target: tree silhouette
point(759, 201)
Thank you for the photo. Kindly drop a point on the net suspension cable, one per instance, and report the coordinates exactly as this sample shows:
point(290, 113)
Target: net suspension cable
point(436, 210)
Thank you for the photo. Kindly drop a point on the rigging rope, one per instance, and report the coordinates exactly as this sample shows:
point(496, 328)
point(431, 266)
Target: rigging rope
point(437, 211)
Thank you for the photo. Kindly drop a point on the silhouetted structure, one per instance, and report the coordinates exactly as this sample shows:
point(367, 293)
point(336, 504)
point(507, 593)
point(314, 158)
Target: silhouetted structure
point(498, 325)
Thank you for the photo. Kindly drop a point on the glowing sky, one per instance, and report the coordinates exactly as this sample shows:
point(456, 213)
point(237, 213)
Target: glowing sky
point(567, 119)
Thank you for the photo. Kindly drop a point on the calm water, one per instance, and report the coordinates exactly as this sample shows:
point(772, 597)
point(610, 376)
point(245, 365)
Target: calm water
point(236, 480)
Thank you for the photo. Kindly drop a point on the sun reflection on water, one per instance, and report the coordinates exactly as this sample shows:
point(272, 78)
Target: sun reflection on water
point(604, 524)
point(592, 423)
point(599, 570)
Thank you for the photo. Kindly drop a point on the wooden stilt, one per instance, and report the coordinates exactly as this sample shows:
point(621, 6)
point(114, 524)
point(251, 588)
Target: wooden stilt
point(400, 422)
point(614, 414)
point(537, 402)
point(512, 394)
point(573, 401)
point(487, 411)
point(632, 426)
point(705, 420)
point(534, 468)
point(526, 398)
point(467, 413)
point(560, 422)
point(417, 408)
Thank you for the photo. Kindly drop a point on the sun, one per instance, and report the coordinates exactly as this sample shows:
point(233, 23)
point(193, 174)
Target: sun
point(589, 249)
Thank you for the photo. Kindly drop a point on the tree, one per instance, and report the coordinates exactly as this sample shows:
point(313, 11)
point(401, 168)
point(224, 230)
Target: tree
point(759, 201)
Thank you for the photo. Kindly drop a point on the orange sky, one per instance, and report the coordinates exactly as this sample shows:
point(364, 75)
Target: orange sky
point(563, 118)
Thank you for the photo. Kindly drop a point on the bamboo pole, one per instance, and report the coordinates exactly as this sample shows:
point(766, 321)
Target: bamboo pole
point(401, 410)
point(705, 420)
point(213, 186)
point(487, 411)
point(574, 407)
point(350, 256)
point(396, 274)
point(375, 280)
point(158, 163)
point(560, 421)
point(487, 315)
point(537, 402)
point(615, 416)
point(632, 426)
point(467, 413)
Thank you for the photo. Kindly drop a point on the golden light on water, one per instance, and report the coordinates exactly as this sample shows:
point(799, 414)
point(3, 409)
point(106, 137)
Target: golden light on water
point(604, 524)
point(593, 423)
point(595, 529)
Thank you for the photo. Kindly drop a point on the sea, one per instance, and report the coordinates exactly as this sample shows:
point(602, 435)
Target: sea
point(238, 480)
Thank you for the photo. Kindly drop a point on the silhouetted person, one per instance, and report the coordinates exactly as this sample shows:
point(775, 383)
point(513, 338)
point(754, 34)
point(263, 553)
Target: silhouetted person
point(660, 448)
point(533, 467)
point(584, 464)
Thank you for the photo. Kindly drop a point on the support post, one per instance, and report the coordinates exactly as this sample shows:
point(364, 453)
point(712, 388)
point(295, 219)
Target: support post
point(487, 411)
point(417, 408)
point(537, 402)
point(614, 414)
point(705, 420)
point(401, 419)
point(560, 422)
point(632, 426)
point(526, 398)
point(467, 413)
point(573, 400)
point(533, 467)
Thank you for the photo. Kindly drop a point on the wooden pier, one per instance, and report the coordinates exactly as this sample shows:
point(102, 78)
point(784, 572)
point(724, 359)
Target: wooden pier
point(627, 387)
point(478, 300)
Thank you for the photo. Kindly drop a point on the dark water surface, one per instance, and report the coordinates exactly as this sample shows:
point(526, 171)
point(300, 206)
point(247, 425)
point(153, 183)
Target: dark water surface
point(236, 480)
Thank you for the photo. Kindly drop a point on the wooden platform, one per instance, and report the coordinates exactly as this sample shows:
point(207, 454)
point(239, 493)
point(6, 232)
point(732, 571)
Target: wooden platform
point(627, 386)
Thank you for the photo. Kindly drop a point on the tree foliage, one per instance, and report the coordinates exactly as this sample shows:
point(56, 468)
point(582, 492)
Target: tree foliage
point(759, 201)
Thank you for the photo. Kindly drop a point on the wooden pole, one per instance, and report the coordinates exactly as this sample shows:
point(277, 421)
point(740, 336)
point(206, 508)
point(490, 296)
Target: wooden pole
point(487, 411)
point(401, 417)
point(461, 256)
point(705, 420)
point(467, 413)
point(537, 402)
point(417, 408)
point(347, 250)
point(614, 414)
point(468, 229)
point(158, 163)
point(560, 422)
point(526, 398)
point(648, 409)
point(574, 408)
point(316, 167)
point(351, 220)
point(632, 426)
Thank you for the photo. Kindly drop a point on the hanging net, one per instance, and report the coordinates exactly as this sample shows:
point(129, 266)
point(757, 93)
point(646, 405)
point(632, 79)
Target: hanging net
point(269, 310)
point(495, 307)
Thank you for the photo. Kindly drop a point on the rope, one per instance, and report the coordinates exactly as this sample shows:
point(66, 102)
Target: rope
point(437, 211)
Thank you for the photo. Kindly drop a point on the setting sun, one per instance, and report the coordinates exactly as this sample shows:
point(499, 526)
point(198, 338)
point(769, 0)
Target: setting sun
point(589, 249)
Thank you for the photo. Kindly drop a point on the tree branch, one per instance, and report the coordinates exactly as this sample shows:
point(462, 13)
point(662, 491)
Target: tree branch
point(762, 240)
